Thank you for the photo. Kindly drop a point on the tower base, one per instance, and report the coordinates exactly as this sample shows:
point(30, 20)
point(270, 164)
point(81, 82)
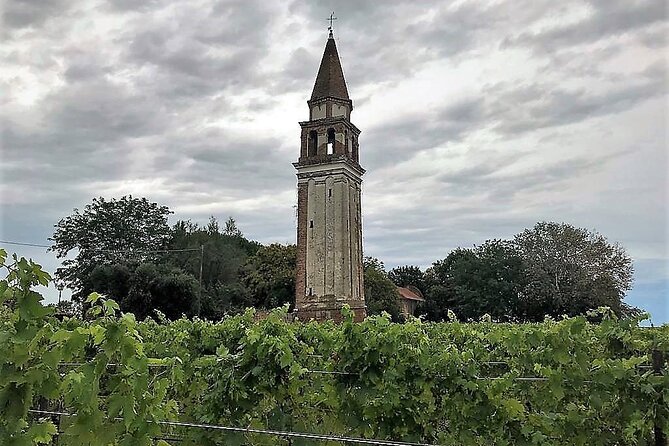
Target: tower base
point(325, 308)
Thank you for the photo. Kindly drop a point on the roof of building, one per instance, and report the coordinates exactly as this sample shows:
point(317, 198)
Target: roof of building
point(330, 81)
point(411, 293)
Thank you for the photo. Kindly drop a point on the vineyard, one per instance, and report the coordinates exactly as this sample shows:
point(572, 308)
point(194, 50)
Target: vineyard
point(111, 380)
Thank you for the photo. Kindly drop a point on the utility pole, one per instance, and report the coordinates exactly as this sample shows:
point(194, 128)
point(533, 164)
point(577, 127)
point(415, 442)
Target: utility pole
point(200, 291)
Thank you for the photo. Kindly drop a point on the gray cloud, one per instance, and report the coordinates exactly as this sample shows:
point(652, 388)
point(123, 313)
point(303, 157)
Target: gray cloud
point(554, 111)
point(203, 52)
point(528, 107)
point(31, 13)
point(402, 138)
point(606, 19)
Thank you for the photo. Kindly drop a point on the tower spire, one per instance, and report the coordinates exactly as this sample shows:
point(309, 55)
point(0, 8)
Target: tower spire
point(330, 81)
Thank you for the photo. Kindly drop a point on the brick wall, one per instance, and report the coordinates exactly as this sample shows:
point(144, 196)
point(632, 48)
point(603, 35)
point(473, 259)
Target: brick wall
point(301, 266)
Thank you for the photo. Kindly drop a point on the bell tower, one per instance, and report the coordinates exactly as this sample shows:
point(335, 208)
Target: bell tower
point(329, 179)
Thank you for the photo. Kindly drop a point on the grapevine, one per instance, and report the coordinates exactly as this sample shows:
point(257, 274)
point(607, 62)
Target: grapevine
point(565, 382)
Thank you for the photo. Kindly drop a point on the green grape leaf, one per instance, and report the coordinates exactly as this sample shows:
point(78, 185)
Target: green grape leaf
point(42, 432)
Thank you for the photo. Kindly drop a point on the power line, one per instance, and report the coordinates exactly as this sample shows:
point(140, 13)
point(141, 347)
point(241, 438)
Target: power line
point(132, 251)
point(285, 434)
point(24, 244)
point(120, 251)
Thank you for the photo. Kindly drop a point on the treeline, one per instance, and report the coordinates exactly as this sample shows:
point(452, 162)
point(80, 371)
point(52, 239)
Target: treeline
point(126, 249)
point(551, 269)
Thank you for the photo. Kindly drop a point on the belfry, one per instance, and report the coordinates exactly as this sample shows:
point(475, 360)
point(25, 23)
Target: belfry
point(329, 178)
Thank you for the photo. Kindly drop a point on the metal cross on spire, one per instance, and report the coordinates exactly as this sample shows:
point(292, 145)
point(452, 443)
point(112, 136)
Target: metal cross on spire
point(331, 19)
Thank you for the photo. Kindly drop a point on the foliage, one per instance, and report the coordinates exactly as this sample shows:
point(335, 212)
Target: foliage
point(222, 256)
point(380, 292)
point(66, 308)
point(408, 275)
point(373, 263)
point(143, 288)
point(427, 382)
point(231, 229)
point(223, 299)
point(269, 275)
point(106, 376)
point(473, 282)
point(552, 269)
point(571, 270)
point(105, 232)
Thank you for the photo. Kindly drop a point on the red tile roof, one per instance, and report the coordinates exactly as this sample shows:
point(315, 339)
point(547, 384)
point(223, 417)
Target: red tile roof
point(411, 294)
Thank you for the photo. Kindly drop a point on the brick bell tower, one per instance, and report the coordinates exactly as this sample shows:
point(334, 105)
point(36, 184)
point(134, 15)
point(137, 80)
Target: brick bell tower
point(329, 179)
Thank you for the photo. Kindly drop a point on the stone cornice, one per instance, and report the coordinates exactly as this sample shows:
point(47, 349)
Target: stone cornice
point(341, 165)
point(324, 122)
point(313, 102)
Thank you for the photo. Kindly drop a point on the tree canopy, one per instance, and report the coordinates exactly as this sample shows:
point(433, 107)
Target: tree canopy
point(551, 269)
point(380, 292)
point(106, 232)
point(408, 275)
point(472, 282)
point(269, 275)
point(142, 288)
point(570, 270)
point(221, 256)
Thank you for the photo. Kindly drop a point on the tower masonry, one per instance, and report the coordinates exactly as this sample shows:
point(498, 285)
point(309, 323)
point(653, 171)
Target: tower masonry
point(329, 179)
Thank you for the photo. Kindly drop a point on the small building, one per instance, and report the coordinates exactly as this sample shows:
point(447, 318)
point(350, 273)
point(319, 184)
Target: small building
point(410, 297)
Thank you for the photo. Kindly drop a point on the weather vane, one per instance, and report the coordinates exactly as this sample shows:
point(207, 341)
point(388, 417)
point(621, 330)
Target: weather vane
point(331, 19)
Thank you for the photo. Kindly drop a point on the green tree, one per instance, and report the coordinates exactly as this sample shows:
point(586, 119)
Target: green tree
point(380, 292)
point(212, 227)
point(142, 288)
point(222, 299)
point(231, 228)
point(486, 279)
point(408, 275)
point(221, 256)
point(105, 232)
point(66, 308)
point(269, 275)
point(571, 270)
point(373, 263)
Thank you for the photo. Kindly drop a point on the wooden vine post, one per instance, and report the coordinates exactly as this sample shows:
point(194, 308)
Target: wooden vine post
point(658, 364)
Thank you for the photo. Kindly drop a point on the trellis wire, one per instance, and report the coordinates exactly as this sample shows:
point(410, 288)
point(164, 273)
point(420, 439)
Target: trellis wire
point(336, 372)
point(285, 434)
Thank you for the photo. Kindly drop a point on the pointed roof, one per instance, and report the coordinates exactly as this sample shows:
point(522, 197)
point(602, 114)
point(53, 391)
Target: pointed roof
point(330, 79)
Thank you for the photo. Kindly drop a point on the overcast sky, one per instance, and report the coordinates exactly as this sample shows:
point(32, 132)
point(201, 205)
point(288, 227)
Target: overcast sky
point(478, 118)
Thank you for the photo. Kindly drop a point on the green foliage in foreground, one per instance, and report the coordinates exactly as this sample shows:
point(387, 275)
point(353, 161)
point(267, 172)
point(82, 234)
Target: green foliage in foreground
point(428, 382)
point(98, 370)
